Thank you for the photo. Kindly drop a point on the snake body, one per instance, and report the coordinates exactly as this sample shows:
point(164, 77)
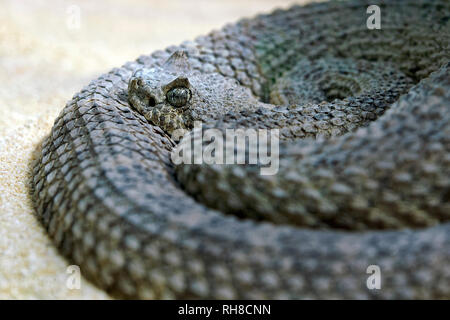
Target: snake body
point(364, 172)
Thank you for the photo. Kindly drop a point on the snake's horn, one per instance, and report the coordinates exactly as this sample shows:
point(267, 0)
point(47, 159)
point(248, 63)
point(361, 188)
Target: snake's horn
point(178, 62)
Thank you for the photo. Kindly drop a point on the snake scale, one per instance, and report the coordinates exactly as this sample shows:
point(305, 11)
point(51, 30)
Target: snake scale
point(364, 171)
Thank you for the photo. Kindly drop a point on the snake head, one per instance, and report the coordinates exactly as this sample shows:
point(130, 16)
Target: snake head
point(173, 96)
point(164, 95)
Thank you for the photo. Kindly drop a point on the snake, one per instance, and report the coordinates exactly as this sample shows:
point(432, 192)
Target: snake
point(358, 207)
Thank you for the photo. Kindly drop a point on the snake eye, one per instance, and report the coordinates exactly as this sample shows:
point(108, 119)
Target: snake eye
point(178, 96)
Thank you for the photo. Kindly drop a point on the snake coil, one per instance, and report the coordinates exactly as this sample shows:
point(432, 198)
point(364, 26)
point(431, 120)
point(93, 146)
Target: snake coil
point(364, 172)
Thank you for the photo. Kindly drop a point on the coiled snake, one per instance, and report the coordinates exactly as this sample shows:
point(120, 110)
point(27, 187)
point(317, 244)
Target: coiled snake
point(364, 170)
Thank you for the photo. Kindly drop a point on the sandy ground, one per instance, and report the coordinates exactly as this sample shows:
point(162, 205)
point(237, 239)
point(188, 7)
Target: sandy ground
point(48, 51)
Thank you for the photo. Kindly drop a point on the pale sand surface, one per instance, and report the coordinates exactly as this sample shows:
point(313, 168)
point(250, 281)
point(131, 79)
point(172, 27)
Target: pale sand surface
point(43, 62)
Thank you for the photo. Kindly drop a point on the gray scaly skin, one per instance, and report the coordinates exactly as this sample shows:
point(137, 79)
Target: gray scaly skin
point(364, 174)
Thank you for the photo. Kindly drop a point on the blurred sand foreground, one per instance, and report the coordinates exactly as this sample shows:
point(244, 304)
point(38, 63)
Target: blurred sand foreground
point(48, 51)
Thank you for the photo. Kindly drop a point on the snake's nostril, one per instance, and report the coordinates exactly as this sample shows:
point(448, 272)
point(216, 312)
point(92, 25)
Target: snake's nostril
point(151, 102)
